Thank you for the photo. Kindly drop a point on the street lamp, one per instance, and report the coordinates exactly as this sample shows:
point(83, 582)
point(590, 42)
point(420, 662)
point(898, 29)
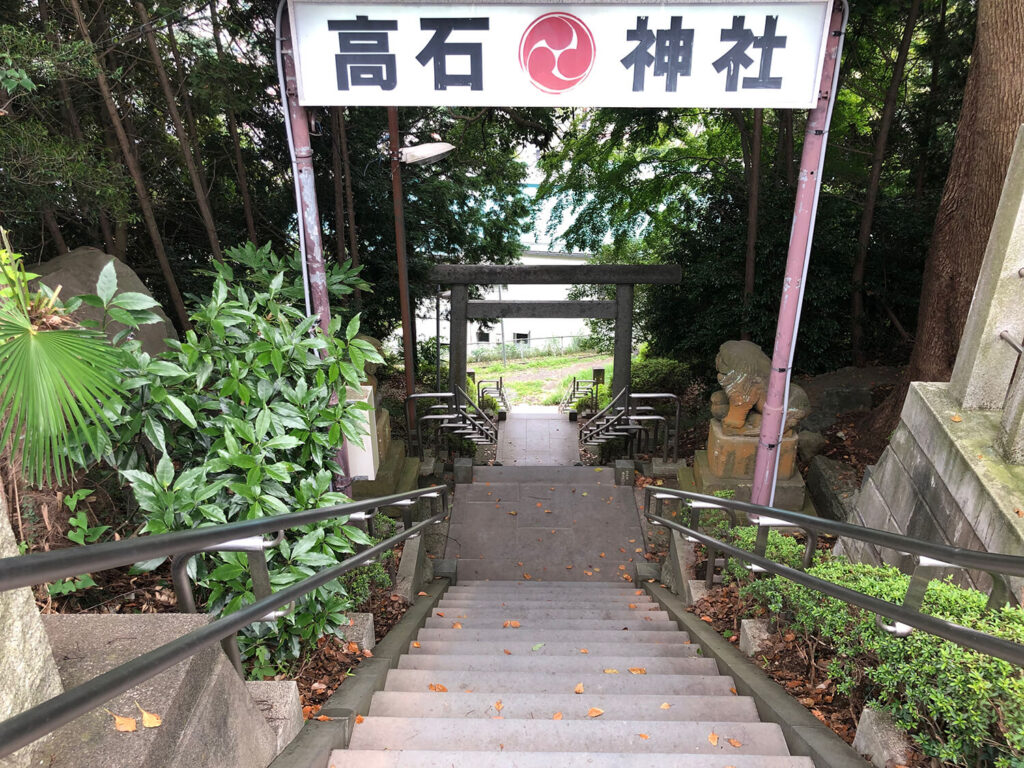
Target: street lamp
point(422, 154)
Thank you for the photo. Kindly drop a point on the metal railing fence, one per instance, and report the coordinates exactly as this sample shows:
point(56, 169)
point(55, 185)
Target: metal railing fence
point(25, 570)
point(930, 557)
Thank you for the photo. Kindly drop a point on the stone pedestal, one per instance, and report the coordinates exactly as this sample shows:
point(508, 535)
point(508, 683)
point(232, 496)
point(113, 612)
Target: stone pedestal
point(732, 455)
point(790, 494)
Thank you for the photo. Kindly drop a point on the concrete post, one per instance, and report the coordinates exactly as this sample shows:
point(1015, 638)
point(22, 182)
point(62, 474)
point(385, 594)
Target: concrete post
point(623, 337)
point(985, 363)
point(457, 343)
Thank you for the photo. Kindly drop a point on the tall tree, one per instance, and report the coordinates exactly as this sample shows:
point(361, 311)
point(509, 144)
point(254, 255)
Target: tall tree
point(142, 193)
point(874, 183)
point(992, 112)
point(202, 200)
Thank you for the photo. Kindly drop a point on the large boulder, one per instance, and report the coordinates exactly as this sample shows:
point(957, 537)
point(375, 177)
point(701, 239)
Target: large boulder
point(77, 271)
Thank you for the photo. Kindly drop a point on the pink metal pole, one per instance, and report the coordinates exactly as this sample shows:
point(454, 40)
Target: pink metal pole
point(808, 189)
point(309, 215)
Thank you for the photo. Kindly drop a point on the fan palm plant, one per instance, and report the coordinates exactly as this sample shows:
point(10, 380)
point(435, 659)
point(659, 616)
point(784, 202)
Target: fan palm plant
point(55, 376)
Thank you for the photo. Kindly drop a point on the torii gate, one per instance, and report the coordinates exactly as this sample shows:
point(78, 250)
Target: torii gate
point(623, 277)
point(585, 54)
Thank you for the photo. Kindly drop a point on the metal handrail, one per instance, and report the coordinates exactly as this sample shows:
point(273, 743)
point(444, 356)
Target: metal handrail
point(34, 723)
point(905, 615)
point(599, 420)
point(40, 567)
point(970, 559)
point(480, 412)
point(664, 396)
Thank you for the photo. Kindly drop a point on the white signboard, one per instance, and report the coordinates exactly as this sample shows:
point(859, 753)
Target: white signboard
point(687, 54)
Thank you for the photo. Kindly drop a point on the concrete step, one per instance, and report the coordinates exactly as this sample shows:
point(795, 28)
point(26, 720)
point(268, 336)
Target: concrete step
point(580, 663)
point(566, 613)
point(466, 647)
point(593, 735)
point(369, 758)
point(541, 634)
point(457, 681)
point(522, 584)
point(642, 603)
point(574, 626)
point(563, 591)
point(542, 706)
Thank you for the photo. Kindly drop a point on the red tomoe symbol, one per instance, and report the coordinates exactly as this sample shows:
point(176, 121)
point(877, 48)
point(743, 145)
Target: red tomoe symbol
point(556, 52)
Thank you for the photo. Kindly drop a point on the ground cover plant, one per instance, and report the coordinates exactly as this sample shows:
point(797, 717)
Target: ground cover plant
point(961, 707)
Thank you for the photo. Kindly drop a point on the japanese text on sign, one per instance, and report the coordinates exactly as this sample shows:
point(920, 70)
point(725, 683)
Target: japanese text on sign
point(718, 54)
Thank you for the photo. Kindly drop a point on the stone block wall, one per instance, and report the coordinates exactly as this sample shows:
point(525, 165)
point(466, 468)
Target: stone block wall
point(941, 479)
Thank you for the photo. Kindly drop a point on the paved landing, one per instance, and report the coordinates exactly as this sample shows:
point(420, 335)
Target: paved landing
point(545, 524)
point(540, 437)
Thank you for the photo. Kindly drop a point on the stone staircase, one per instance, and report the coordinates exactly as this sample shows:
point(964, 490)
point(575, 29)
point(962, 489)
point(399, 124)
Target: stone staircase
point(509, 673)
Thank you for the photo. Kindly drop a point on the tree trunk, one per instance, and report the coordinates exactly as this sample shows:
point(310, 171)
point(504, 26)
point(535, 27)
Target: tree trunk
point(787, 152)
point(135, 171)
point(51, 224)
point(992, 112)
point(240, 173)
point(353, 239)
point(928, 119)
point(753, 190)
point(191, 124)
point(202, 200)
point(338, 180)
point(870, 200)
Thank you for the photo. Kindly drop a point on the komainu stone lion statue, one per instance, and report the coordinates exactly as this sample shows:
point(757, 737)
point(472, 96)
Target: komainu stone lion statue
point(743, 371)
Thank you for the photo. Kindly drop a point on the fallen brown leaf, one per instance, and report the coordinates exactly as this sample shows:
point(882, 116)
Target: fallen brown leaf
point(643, 736)
point(149, 719)
point(457, 625)
point(354, 647)
point(437, 688)
point(421, 594)
point(556, 716)
point(735, 743)
point(957, 418)
point(638, 670)
point(584, 650)
point(578, 688)
point(416, 644)
point(666, 705)
point(123, 724)
point(360, 719)
point(594, 712)
point(507, 651)
point(713, 738)
point(611, 671)
point(440, 614)
point(632, 606)
point(498, 706)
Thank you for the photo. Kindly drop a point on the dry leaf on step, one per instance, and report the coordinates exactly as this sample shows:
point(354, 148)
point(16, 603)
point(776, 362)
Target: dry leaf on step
point(360, 719)
point(456, 625)
point(150, 719)
point(578, 688)
point(611, 671)
point(556, 716)
point(415, 643)
point(666, 705)
point(643, 736)
point(594, 712)
point(125, 724)
point(735, 742)
point(638, 670)
point(437, 688)
point(713, 738)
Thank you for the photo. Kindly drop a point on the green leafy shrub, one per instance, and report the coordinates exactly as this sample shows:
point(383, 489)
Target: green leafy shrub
point(239, 420)
point(659, 374)
point(781, 548)
point(962, 707)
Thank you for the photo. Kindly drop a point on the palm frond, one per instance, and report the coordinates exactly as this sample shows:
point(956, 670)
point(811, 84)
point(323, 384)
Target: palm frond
point(53, 384)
